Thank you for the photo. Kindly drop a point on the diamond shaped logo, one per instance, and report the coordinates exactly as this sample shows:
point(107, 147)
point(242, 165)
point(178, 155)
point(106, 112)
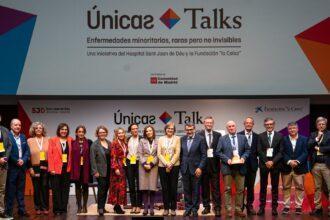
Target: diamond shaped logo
point(170, 18)
point(165, 117)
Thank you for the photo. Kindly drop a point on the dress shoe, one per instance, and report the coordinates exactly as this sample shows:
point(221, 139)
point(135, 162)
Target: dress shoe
point(316, 212)
point(24, 214)
point(173, 213)
point(186, 213)
point(298, 211)
point(217, 212)
point(206, 211)
point(165, 213)
point(240, 214)
point(145, 212)
point(250, 211)
point(119, 210)
point(101, 212)
point(194, 214)
point(274, 212)
point(285, 211)
point(84, 209)
point(261, 212)
point(3, 215)
point(152, 212)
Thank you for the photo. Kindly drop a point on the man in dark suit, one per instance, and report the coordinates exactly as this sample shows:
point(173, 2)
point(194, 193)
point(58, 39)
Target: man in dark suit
point(5, 148)
point(319, 145)
point(270, 151)
point(192, 158)
point(233, 150)
point(17, 163)
point(251, 164)
point(294, 167)
point(211, 173)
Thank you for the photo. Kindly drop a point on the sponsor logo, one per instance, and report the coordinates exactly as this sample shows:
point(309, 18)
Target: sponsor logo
point(284, 108)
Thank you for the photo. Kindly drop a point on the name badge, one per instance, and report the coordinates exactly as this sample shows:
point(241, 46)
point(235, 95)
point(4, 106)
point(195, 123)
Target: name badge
point(318, 153)
point(42, 156)
point(150, 159)
point(167, 157)
point(133, 159)
point(124, 161)
point(2, 147)
point(64, 158)
point(81, 160)
point(210, 153)
point(269, 152)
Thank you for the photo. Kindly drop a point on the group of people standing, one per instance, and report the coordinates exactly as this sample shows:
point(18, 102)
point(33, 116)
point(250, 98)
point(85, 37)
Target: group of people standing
point(137, 160)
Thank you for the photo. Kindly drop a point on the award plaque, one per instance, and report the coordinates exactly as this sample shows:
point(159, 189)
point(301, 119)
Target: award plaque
point(236, 160)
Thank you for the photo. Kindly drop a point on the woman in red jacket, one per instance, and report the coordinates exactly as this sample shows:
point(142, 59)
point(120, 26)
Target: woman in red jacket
point(59, 166)
point(117, 195)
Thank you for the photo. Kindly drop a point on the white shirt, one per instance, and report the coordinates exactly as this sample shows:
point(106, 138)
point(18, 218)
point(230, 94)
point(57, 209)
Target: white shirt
point(133, 144)
point(293, 141)
point(271, 138)
point(247, 135)
point(207, 138)
point(234, 144)
point(19, 145)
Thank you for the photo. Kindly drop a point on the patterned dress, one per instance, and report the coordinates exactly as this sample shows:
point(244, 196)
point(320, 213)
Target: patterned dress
point(117, 193)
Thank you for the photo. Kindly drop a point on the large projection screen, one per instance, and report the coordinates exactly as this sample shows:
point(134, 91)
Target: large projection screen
point(156, 47)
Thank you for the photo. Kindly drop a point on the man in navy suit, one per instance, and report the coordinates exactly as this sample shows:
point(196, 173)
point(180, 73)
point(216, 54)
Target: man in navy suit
point(294, 167)
point(251, 164)
point(192, 158)
point(211, 171)
point(233, 146)
point(17, 165)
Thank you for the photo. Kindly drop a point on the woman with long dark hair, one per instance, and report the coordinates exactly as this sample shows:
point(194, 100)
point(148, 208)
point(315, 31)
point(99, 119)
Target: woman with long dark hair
point(80, 167)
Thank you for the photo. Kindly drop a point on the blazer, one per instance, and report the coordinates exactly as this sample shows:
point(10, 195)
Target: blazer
point(277, 145)
point(225, 152)
point(144, 152)
point(13, 157)
point(299, 153)
point(7, 144)
point(252, 160)
point(212, 164)
point(98, 159)
point(324, 147)
point(175, 148)
point(195, 157)
point(76, 161)
point(55, 155)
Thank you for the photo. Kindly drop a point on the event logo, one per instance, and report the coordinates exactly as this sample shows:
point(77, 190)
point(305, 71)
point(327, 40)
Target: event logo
point(121, 118)
point(169, 18)
point(165, 117)
point(196, 18)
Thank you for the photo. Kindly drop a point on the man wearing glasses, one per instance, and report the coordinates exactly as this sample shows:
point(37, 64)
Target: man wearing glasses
point(270, 151)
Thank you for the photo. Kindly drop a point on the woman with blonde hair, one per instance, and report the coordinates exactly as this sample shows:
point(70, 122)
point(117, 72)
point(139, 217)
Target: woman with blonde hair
point(38, 144)
point(169, 162)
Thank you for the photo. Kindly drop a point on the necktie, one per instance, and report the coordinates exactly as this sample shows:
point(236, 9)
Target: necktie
point(210, 139)
point(250, 139)
point(189, 142)
point(233, 142)
point(270, 138)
